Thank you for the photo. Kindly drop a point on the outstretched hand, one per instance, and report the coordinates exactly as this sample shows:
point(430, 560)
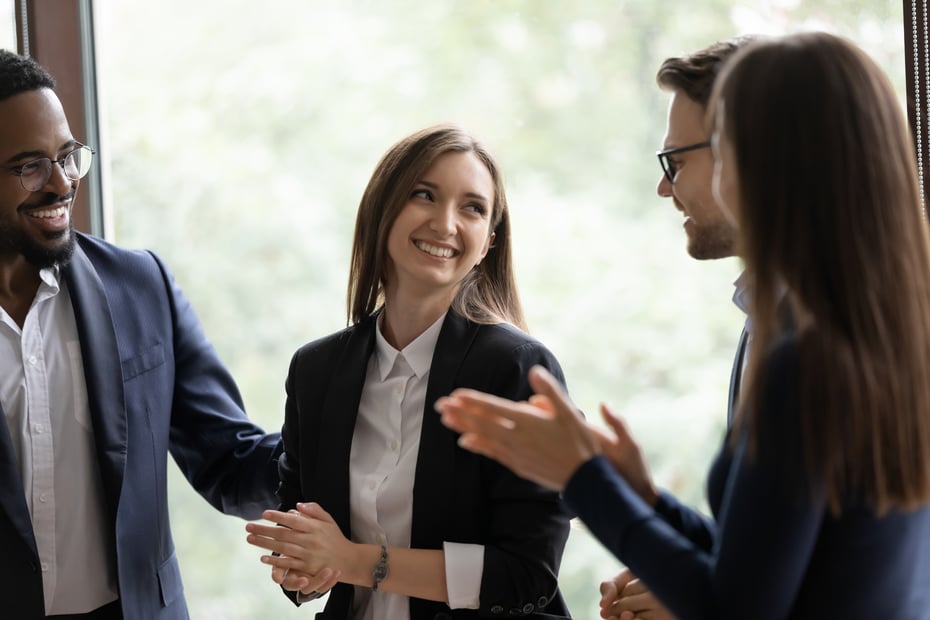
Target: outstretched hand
point(626, 456)
point(544, 440)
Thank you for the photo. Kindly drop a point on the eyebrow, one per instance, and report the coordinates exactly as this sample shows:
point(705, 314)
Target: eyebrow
point(435, 186)
point(29, 155)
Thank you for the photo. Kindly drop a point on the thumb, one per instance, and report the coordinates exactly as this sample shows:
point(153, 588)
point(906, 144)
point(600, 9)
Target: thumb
point(546, 386)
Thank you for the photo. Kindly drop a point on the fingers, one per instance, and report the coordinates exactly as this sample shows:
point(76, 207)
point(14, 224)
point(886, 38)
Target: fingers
point(616, 423)
point(275, 539)
point(544, 384)
point(322, 582)
point(467, 411)
point(295, 581)
point(291, 519)
point(315, 511)
point(612, 589)
point(608, 592)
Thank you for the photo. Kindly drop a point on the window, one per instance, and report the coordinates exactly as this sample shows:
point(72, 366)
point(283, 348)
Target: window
point(7, 25)
point(241, 135)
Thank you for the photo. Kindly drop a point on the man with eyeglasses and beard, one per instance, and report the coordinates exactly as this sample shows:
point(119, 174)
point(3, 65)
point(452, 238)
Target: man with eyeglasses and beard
point(104, 369)
point(687, 171)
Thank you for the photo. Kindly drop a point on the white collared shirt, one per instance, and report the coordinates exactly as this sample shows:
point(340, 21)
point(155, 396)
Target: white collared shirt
point(382, 468)
point(44, 400)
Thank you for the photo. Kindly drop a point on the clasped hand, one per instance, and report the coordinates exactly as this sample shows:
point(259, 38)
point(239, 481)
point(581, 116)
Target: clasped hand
point(308, 549)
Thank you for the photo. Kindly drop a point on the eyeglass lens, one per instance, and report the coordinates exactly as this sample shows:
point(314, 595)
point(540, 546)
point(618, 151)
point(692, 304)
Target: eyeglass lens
point(75, 165)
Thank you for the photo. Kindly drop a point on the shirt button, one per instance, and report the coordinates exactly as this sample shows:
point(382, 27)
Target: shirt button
point(372, 485)
point(43, 498)
point(44, 567)
point(39, 428)
point(393, 444)
point(33, 359)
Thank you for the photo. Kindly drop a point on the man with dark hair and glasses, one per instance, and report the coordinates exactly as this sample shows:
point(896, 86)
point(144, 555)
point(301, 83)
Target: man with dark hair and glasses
point(104, 369)
point(687, 172)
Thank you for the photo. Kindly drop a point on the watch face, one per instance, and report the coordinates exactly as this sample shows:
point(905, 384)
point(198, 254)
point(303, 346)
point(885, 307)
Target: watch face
point(380, 571)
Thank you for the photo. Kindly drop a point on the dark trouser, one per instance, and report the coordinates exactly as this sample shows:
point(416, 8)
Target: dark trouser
point(110, 611)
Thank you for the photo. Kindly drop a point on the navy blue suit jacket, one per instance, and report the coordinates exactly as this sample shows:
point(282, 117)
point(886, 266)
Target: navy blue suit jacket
point(457, 496)
point(154, 385)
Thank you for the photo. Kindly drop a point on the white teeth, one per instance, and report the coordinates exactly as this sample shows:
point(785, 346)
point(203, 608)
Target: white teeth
point(435, 251)
point(49, 213)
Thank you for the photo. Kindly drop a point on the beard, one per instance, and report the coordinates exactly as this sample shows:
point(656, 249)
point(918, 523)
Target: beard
point(55, 249)
point(43, 256)
point(712, 242)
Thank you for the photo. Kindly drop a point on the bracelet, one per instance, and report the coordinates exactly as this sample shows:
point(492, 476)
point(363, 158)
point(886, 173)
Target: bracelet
point(380, 571)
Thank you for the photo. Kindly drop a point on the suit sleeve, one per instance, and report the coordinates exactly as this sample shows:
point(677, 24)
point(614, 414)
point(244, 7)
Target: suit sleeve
point(529, 525)
point(766, 528)
point(228, 459)
point(695, 526)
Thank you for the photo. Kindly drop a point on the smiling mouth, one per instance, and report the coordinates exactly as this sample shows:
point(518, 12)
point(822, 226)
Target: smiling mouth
point(49, 213)
point(434, 250)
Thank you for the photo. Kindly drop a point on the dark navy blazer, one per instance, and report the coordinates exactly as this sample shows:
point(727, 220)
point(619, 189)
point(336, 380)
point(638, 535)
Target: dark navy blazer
point(771, 551)
point(457, 496)
point(154, 385)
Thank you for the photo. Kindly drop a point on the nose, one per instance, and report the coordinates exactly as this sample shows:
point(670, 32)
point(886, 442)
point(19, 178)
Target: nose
point(58, 182)
point(664, 188)
point(443, 220)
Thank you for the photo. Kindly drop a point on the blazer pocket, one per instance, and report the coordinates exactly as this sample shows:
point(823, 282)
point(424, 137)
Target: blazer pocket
point(169, 580)
point(151, 358)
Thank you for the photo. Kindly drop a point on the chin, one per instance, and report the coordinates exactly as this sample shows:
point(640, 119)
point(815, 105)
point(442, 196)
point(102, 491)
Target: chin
point(55, 251)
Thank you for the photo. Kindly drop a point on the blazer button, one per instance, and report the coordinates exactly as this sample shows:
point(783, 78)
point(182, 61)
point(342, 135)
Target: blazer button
point(542, 602)
point(497, 609)
point(528, 608)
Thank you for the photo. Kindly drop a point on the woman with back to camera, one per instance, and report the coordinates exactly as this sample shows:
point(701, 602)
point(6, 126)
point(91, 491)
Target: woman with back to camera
point(388, 507)
point(820, 493)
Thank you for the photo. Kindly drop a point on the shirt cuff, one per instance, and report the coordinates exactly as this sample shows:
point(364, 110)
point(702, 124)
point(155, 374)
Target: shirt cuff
point(464, 569)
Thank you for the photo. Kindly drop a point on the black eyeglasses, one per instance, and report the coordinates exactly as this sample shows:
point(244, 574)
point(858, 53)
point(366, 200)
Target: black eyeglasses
point(668, 166)
point(33, 175)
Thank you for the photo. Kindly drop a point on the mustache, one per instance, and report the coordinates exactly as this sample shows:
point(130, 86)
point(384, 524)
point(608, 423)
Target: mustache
point(48, 199)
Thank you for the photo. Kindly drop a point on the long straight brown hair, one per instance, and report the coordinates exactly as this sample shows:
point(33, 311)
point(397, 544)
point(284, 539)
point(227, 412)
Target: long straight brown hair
point(830, 210)
point(488, 294)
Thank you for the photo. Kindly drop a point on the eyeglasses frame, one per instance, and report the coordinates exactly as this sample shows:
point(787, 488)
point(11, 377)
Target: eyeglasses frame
point(664, 154)
point(18, 170)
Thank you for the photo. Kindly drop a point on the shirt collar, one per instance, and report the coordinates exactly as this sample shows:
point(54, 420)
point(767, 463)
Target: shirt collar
point(418, 354)
point(742, 296)
point(51, 284)
point(50, 276)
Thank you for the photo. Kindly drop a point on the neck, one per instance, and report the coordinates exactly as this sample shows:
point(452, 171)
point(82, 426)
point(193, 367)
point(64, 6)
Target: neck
point(404, 320)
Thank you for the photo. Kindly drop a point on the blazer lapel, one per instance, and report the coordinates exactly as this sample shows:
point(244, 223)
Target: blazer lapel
point(438, 444)
point(102, 371)
point(337, 424)
point(736, 375)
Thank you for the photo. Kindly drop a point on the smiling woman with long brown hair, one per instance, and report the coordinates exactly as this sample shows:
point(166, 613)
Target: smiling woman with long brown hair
point(376, 496)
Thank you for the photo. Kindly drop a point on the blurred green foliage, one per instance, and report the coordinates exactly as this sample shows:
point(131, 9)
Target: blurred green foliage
point(241, 134)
